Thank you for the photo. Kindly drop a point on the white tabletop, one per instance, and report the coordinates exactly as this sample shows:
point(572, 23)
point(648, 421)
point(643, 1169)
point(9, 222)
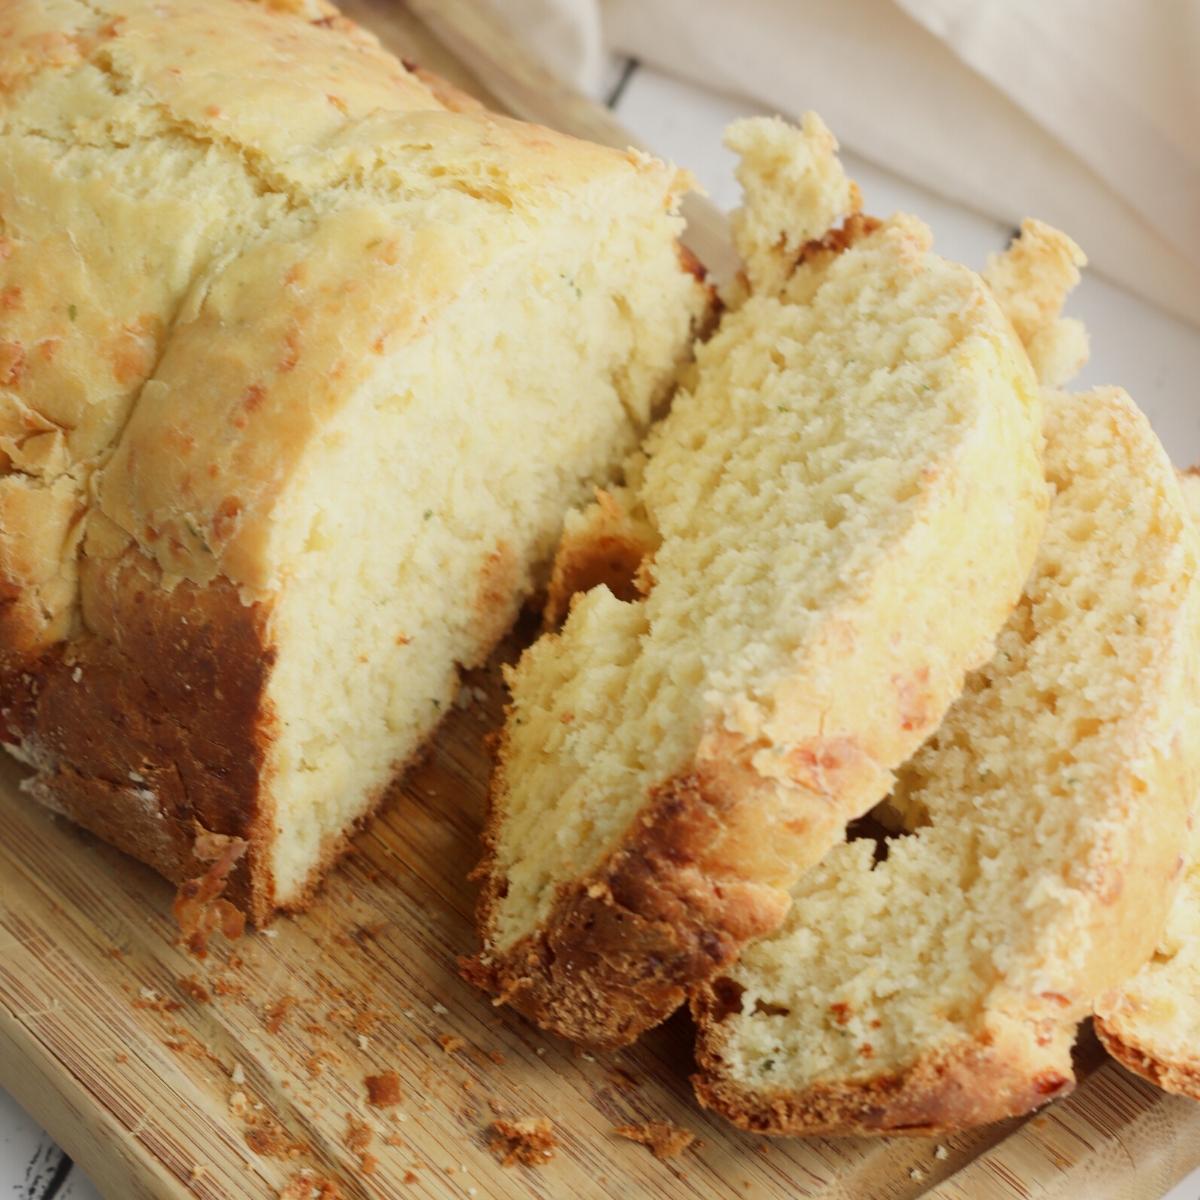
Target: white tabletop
point(1153, 356)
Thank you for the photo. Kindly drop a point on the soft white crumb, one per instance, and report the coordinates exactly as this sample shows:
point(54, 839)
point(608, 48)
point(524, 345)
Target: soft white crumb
point(363, 1041)
point(916, 1173)
point(147, 993)
point(237, 1075)
point(940, 1151)
point(270, 933)
point(440, 1009)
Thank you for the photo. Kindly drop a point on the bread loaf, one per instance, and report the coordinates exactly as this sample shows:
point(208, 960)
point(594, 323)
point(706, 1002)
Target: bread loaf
point(834, 521)
point(1151, 1023)
point(933, 979)
point(302, 359)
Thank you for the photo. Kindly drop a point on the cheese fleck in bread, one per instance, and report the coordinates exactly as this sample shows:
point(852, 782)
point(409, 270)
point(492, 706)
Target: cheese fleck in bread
point(934, 979)
point(836, 519)
point(1151, 1023)
point(302, 360)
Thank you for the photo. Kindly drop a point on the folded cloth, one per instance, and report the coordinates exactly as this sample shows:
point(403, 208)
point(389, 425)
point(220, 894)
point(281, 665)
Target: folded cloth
point(1081, 112)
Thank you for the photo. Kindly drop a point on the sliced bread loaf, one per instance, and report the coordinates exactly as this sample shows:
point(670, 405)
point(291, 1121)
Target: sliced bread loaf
point(1151, 1023)
point(835, 519)
point(934, 979)
point(301, 363)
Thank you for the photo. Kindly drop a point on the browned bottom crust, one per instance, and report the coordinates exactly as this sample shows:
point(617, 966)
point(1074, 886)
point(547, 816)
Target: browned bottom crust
point(1181, 1077)
point(151, 731)
point(968, 1084)
point(622, 946)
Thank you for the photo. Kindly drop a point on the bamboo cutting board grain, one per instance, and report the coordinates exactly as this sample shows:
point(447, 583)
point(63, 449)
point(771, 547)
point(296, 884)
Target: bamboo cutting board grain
point(243, 1077)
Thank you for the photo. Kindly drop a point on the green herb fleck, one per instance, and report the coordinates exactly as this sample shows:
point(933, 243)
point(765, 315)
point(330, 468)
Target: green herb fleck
point(428, 514)
point(72, 311)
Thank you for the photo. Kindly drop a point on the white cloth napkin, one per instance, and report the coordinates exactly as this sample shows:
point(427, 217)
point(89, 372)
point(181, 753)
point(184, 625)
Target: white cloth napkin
point(1085, 113)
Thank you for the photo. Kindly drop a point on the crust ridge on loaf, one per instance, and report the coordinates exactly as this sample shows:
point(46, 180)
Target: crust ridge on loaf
point(1151, 1022)
point(671, 762)
point(274, 439)
point(932, 977)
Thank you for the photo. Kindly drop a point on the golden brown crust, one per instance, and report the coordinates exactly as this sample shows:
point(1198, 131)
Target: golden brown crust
point(623, 945)
point(970, 1084)
point(1179, 1076)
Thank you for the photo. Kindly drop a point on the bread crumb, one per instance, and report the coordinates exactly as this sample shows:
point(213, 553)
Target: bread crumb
point(277, 1013)
point(358, 1135)
point(314, 1064)
point(451, 1042)
point(383, 1090)
point(664, 1139)
point(363, 1041)
point(238, 1074)
point(196, 1173)
point(916, 1173)
point(440, 1009)
point(529, 1141)
point(940, 1151)
point(306, 1186)
point(271, 1140)
point(192, 986)
point(148, 998)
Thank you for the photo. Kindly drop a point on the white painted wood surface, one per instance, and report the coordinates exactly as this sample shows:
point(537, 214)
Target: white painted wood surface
point(1154, 356)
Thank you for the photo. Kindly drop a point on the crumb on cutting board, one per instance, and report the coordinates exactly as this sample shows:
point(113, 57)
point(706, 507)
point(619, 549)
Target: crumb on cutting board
point(358, 1135)
point(277, 1013)
point(383, 1090)
point(529, 1141)
point(308, 1185)
point(191, 986)
point(662, 1138)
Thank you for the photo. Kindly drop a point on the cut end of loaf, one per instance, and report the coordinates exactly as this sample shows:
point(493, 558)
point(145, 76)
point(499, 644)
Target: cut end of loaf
point(472, 441)
point(306, 458)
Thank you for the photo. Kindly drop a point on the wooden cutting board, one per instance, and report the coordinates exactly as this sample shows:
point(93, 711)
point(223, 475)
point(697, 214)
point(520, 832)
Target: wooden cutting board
point(242, 1077)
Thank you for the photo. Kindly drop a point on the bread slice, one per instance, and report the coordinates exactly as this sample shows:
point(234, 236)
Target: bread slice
point(933, 979)
point(302, 363)
point(1151, 1023)
point(837, 517)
